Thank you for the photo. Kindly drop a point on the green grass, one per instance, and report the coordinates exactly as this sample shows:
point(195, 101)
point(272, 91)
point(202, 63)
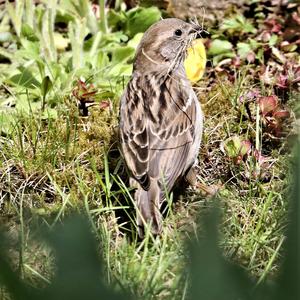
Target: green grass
point(52, 168)
point(54, 161)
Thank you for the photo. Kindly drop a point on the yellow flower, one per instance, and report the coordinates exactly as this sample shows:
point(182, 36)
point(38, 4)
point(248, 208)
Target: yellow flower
point(196, 61)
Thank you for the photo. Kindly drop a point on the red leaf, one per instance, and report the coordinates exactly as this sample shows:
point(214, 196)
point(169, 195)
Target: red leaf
point(105, 104)
point(281, 114)
point(96, 10)
point(88, 94)
point(296, 17)
point(268, 104)
point(250, 57)
point(82, 85)
point(259, 157)
point(245, 147)
point(236, 61)
point(273, 25)
point(282, 81)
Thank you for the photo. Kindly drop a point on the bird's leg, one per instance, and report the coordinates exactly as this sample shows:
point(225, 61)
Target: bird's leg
point(191, 179)
point(191, 176)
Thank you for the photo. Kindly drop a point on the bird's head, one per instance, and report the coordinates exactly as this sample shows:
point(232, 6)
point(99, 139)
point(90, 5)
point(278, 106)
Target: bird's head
point(164, 45)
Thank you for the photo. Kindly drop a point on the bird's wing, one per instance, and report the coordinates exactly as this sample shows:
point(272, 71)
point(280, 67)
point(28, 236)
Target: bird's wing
point(157, 130)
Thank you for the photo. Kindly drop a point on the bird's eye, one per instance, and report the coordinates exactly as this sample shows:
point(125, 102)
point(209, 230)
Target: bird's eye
point(178, 32)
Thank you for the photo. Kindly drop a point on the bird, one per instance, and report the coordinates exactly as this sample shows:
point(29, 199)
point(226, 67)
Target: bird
point(160, 120)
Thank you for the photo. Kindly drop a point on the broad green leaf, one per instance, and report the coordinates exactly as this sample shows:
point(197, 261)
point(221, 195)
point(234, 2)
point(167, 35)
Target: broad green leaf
point(25, 79)
point(254, 44)
point(232, 146)
point(6, 122)
point(120, 70)
point(140, 19)
point(220, 47)
point(238, 24)
point(243, 49)
point(134, 42)
point(102, 59)
point(30, 50)
point(211, 276)
point(273, 40)
point(28, 105)
point(62, 16)
point(122, 54)
point(116, 19)
point(287, 283)
point(116, 37)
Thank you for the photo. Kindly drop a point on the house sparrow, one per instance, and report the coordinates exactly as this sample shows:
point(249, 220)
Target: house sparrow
point(160, 118)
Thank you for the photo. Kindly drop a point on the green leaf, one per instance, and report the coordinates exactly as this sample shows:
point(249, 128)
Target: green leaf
point(25, 79)
point(134, 42)
point(238, 24)
point(288, 279)
point(6, 122)
point(243, 49)
point(27, 106)
point(120, 70)
point(28, 33)
point(219, 47)
point(140, 19)
point(62, 16)
point(117, 37)
point(273, 40)
point(221, 278)
point(79, 271)
point(30, 50)
point(232, 146)
point(116, 19)
point(122, 54)
point(102, 60)
point(46, 86)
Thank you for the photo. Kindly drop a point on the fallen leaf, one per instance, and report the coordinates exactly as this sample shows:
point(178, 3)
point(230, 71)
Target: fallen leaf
point(195, 61)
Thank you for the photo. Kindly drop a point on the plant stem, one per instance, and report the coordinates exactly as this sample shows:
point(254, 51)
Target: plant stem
point(103, 16)
point(257, 137)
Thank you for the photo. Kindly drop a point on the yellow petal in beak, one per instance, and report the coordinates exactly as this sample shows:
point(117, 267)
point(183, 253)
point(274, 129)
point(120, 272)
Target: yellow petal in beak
point(195, 61)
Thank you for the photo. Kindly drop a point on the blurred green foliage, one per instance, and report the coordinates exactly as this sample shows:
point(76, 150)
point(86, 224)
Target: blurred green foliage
point(46, 48)
point(79, 271)
point(50, 45)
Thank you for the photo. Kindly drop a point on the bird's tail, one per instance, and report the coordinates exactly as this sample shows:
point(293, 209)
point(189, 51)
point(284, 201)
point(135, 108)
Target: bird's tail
point(148, 209)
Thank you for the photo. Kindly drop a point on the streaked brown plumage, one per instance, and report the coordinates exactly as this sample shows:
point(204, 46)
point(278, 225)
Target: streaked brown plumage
point(160, 118)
